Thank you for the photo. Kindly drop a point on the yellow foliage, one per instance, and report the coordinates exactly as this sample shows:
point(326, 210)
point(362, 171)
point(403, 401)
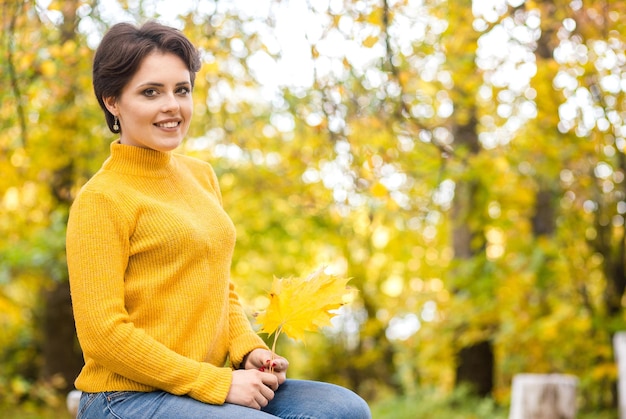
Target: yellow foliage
point(605, 370)
point(48, 68)
point(314, 51)
point(68, 48)
point(370, 41)
point(299, 305)
point(378, 190)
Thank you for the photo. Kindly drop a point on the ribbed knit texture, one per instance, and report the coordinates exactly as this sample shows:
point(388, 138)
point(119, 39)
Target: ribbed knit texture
point(149, 249)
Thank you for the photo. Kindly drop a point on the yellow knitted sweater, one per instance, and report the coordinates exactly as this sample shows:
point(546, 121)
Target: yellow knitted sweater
point(149, 249)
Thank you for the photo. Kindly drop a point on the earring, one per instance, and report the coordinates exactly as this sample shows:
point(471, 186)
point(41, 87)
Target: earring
point(115, 126)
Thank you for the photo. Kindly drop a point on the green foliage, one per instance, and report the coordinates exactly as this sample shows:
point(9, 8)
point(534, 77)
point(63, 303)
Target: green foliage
point(432, 404)
point(32, 398)
point(31, 411)
point(460, 404)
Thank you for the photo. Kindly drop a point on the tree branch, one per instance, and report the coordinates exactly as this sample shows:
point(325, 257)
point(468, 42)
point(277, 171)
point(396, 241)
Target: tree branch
point(13, 80)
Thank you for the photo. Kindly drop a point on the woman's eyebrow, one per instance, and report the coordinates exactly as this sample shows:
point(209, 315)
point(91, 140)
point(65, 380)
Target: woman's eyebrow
point(157, 84)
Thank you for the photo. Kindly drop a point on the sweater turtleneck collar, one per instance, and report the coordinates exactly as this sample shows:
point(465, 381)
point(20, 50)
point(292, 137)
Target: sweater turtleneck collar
point(138, 161)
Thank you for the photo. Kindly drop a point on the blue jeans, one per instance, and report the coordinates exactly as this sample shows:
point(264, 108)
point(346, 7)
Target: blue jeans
point(294, 399)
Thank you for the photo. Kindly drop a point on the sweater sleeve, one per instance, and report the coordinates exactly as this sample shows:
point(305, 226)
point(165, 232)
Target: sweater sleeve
point(97, 256)
point(242, 338)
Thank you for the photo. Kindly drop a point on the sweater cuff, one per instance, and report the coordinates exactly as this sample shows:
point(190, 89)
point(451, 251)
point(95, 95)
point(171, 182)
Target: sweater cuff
point(242, 346)
point(212, 385)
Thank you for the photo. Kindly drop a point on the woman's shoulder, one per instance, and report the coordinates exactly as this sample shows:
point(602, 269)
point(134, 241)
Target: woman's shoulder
point(200, 169)
point(105, 188)
point(103, 181)
point(193, 162)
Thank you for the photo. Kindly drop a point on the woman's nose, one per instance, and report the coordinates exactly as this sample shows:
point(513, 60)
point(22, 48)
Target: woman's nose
point(170, 103)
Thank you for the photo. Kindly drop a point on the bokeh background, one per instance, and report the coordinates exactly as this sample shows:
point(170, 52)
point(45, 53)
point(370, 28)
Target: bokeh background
point(463, 162)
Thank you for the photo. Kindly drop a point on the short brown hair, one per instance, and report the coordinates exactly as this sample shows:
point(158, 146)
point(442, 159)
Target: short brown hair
point(122, 50)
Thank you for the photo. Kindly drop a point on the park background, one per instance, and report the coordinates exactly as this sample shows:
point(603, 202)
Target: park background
point(462, 162)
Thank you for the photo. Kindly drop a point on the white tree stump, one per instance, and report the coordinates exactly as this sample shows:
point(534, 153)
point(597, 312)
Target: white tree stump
point(543, 396)
point(619, 347)
point(73, 398)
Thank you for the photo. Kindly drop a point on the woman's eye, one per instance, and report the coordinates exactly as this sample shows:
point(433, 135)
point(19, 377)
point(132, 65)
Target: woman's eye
point(184, 91)
point(149, 92)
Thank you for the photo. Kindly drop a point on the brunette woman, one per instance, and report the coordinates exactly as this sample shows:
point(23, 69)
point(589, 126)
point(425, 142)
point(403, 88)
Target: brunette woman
point(149, 251)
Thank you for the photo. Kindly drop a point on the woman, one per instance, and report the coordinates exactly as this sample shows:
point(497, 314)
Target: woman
point(149, 249)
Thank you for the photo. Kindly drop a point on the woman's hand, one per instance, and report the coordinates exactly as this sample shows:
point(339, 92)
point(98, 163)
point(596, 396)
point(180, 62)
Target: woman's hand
point(266, 361)
point(252, 388)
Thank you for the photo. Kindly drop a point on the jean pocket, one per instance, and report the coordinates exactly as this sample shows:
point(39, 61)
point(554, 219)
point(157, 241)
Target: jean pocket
point(113, 396)
point(86, 400)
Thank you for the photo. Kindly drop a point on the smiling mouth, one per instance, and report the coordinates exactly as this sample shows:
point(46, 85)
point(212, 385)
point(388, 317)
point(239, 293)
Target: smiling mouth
point(168, 125)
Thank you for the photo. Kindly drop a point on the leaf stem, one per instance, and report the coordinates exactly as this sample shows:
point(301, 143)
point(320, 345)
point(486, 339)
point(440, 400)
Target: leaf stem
point(276, 334)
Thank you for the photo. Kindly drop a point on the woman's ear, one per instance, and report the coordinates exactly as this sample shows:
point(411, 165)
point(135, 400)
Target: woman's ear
point(111, 105)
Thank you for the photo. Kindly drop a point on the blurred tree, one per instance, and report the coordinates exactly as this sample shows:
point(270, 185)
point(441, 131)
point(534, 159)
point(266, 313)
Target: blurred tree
point(49, 132)
point(597, 190)
point(470, 278)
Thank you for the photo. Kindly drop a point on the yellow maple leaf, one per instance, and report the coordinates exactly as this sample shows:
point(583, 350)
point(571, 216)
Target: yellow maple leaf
point(299, 305)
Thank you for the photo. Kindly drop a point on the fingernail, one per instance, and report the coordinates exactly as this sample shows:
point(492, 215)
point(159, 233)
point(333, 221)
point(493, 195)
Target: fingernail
point(262, 369)
point(273, 364)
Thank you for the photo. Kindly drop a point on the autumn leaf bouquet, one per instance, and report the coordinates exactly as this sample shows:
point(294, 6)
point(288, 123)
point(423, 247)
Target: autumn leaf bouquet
point(300, 305)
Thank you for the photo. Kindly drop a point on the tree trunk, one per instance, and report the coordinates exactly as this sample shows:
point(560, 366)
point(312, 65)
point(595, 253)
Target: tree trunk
point(475, 362)
point(543, 220)
point(61, 353)
point(475, 367)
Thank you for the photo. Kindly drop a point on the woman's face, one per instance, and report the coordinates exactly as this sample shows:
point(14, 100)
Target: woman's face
point(155, 107)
